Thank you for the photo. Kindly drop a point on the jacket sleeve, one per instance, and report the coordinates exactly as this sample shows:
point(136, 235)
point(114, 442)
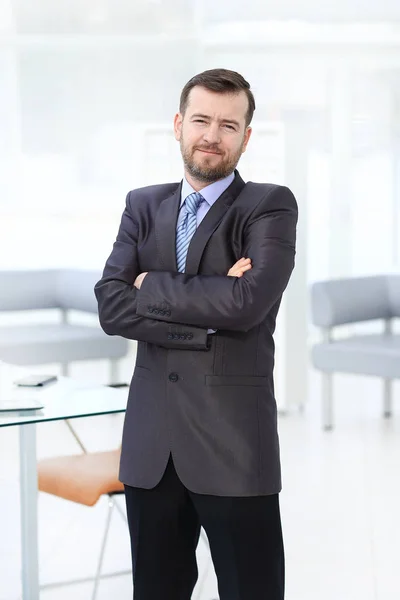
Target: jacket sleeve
point(117, 297)
point(235, 303)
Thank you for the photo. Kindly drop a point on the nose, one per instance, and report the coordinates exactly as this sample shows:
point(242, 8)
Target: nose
point(212, 134)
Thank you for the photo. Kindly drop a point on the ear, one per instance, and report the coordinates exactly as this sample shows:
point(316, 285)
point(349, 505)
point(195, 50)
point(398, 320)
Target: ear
point(246, 138)
point(178, 126)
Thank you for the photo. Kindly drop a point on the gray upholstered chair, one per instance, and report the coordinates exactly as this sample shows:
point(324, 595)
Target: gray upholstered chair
point(63, 342)
point(345, 301)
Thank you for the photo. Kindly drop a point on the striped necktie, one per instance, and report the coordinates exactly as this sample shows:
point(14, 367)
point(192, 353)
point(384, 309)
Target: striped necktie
point(186, 229)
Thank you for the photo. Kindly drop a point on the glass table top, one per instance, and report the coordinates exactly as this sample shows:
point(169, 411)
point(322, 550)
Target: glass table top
point(64, 399)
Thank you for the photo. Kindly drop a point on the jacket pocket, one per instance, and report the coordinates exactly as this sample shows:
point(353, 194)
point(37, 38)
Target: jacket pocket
point(249, 380)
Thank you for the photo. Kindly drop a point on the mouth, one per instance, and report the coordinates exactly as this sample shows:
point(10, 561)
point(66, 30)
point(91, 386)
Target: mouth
point(208, 151)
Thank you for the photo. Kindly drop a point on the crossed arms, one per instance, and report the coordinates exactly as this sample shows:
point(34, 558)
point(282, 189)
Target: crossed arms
point(187, 305)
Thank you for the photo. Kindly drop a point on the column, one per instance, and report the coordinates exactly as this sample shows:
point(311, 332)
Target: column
point(340, 226)
point(292, 328)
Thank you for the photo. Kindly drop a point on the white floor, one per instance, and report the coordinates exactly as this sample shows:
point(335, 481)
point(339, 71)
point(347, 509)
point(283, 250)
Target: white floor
point(340, 504)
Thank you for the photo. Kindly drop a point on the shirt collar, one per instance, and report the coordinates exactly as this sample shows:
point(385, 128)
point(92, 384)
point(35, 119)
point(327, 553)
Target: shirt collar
point(211, 192)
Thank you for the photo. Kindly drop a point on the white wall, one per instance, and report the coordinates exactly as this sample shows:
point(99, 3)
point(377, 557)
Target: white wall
point(77, 93)
point(312, 10)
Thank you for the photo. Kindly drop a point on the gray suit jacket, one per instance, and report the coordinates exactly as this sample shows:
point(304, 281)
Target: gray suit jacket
point(207, 399)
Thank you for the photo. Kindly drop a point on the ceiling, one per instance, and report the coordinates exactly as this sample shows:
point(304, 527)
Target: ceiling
point(157, 16)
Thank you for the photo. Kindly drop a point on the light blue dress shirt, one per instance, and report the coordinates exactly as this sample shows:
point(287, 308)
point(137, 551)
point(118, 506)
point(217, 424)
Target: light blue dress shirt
point(210, 193)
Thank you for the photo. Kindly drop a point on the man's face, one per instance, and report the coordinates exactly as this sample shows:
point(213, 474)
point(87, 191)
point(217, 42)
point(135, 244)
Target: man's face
point(212, 133)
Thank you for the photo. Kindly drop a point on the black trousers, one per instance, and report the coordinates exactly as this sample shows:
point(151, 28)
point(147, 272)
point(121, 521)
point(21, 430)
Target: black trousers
point(245, 537)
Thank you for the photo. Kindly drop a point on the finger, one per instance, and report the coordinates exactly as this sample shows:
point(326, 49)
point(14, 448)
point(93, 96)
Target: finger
point(243, 269)
point(235, 270)
point(239, 272)
point(241, 263)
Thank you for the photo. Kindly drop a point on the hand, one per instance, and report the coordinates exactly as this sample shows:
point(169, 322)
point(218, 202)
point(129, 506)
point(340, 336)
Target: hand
point(139, 280)
point(240, 267)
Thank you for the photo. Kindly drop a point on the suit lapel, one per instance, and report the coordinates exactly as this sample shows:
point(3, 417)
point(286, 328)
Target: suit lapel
point(165, 229)
point(210, 223)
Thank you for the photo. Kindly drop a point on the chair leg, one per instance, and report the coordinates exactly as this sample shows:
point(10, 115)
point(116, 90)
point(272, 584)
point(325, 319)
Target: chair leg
point(327, 401)
point(103, 547)
point(387, 398)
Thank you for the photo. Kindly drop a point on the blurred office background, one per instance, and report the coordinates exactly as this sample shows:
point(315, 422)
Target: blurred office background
point(88, 91)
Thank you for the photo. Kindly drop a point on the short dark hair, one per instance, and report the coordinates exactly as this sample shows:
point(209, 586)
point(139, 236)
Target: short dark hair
point(222, 81)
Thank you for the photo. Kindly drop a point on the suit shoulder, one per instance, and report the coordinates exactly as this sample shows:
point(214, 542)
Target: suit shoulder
point(271, 196)
point(272, 192)
point(267, 188)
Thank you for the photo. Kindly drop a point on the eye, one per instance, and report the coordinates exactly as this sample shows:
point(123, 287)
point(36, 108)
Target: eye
point(199, 120)
point(230, 127)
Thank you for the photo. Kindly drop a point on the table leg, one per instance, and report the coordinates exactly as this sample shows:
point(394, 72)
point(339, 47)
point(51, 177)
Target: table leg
point(29, 525)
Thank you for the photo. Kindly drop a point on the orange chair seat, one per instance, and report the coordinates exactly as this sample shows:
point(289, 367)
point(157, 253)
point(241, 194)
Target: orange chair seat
point(81, 478)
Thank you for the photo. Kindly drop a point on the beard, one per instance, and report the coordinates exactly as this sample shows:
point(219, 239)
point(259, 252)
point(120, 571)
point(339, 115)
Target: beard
point(204, 170)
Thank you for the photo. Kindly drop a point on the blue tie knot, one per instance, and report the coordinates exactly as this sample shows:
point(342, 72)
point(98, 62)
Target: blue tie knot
point(193, 202)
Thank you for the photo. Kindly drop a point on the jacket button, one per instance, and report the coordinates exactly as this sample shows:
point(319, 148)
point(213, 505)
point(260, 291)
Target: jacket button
point(173, 377)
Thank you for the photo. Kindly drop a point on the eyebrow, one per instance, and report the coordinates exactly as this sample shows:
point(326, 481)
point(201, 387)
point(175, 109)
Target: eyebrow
point(198, 115)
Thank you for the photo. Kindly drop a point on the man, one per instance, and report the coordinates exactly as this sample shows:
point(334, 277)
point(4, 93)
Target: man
point(200, 444)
